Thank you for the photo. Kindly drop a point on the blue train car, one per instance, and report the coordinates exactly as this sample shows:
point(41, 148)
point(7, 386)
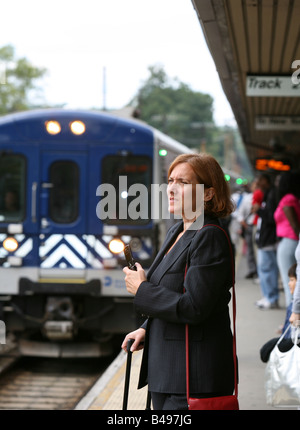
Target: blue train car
point(65, 178)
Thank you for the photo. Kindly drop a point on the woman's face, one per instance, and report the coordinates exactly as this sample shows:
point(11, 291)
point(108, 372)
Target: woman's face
point(182, 191)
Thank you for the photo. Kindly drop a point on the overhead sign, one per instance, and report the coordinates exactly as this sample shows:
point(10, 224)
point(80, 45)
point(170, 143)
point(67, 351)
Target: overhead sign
point(277, 122)
point(271, 86)
point(272, 164)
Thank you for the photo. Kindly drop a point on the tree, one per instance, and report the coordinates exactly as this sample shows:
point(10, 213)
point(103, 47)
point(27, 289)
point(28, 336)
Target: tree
point(18, 81)
point(172, 107)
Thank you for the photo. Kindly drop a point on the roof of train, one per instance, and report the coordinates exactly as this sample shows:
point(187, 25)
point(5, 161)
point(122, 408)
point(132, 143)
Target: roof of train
point(17, 123)
point(99, 125)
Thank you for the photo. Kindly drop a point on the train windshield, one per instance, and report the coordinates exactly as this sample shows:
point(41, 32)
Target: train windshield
point(131, 178)
point(12, 188)
point(64, 202)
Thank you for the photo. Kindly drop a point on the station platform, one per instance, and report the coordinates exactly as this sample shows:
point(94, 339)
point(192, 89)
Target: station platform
point(254, 327)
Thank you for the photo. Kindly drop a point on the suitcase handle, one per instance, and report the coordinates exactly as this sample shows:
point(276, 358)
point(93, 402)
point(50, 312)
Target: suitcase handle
point(127, 378)
point(127, 374)
point(129, 345)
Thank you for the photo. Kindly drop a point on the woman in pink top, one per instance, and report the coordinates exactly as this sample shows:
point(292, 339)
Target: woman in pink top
point(287, 218)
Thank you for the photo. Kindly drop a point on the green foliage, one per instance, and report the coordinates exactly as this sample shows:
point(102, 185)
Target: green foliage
point(19, 79)
point(172, 107)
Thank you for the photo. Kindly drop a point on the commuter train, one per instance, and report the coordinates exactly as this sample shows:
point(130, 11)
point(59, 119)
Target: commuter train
point(75, 187)
point(65, 178)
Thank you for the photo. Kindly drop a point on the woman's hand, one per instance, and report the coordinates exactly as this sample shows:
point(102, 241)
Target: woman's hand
point(294, 317)
point(134, 278)
point(138, 336)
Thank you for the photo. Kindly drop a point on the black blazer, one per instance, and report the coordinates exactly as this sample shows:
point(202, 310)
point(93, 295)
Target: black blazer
point(204, 306)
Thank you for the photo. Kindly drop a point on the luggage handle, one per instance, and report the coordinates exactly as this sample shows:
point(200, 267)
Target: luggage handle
point(127, 379)
point(127, 374)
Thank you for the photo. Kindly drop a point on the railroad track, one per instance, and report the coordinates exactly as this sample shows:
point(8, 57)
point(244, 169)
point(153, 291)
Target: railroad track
point(48, 384)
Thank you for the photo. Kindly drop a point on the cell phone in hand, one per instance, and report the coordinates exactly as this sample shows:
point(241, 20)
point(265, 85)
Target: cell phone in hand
point(129, 259)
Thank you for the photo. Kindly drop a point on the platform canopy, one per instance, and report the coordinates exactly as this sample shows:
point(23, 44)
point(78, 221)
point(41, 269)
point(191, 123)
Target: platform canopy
point(255, 45)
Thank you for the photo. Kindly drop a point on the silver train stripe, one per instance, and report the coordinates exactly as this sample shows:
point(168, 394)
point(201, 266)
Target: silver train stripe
point(68, 250)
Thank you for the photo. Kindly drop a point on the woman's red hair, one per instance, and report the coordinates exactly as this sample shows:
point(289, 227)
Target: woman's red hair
point(210, 174)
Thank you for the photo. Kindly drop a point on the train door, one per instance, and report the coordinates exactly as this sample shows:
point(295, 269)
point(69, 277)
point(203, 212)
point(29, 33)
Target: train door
point(63, 213)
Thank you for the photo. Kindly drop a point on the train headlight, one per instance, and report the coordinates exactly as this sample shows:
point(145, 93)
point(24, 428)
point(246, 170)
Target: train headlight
point(77, 127)
point(10, 244)
point(53, 127)
point(116, 246)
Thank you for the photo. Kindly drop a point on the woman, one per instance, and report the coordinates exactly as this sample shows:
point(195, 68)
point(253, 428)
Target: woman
point(287, 218)
point(204, 305)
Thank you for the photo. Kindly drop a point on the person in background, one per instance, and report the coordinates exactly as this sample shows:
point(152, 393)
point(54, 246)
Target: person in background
point(287, 341)
point(292, 277)
point(295, 317)
point(234, 226)
point(267, 242)
point(246, 219)
point(287, 218)
point(257, 198)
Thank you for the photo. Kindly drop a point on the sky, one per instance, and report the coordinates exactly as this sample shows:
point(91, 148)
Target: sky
point(97, 52)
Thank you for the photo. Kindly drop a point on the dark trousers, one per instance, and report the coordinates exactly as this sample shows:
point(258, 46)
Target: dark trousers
point(164, 402)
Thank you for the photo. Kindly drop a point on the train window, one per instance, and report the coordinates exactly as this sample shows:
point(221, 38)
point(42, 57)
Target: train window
point(64, 201)
point(12, 188)
point(134, 169)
